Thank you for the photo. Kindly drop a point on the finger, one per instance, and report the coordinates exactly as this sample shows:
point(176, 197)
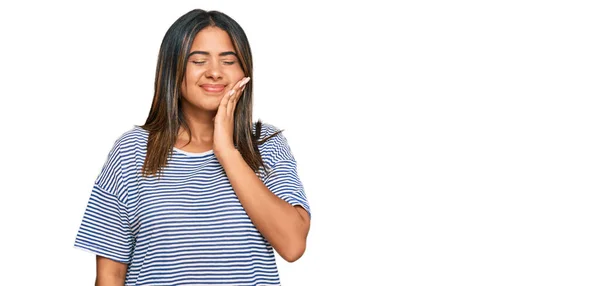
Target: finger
point(238, 85)
point(242, 89)
point(231, 103)
point(225, 99)
point(242, 82)
point(236, 96)
point(234, 88)
point(222, 109)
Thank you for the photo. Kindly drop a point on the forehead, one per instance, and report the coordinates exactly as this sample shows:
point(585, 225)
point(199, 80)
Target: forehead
point(212, 39)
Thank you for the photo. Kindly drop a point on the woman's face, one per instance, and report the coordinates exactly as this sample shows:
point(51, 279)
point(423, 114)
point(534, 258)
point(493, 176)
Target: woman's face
point(212, 69)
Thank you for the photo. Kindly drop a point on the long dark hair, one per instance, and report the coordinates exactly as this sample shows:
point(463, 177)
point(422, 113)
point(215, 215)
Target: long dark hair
point(166, 116)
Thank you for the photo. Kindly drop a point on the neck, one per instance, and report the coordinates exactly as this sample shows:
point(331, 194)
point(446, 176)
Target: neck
point(201, 126)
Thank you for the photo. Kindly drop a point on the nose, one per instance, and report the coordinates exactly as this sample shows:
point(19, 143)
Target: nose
point(213, 70)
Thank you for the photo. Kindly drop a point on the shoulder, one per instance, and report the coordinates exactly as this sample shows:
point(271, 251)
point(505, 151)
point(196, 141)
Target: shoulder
point(126, 147)
point(271, 136)
point(120, 161)
point(133, 135)
point(276, 147)
point(266, 129)
point(131, 139)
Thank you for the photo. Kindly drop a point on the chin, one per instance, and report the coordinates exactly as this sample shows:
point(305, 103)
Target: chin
point(206, 104)
point(211, 105)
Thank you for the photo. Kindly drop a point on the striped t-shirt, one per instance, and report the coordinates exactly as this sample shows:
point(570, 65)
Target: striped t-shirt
point(188, 228)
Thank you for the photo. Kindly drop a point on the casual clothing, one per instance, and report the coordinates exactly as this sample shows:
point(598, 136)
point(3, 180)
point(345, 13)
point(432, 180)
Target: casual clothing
point(188, 228)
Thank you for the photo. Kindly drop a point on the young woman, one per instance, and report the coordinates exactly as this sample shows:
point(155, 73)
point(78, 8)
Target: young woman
point(200, 194)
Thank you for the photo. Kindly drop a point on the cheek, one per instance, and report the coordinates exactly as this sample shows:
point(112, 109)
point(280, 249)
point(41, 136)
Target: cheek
point(236, 75)
point(192, 75)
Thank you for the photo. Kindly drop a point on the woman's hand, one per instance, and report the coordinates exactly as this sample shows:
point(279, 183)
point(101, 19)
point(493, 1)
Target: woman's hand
point(223, 133)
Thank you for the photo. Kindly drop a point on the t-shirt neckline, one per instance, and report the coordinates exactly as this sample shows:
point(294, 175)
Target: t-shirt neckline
point(192, 153)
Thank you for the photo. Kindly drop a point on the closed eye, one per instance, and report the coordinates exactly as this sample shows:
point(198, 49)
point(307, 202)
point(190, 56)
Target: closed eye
point(203, 62)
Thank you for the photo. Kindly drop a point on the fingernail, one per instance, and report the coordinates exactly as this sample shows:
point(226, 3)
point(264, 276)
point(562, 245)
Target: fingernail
point(231, 92)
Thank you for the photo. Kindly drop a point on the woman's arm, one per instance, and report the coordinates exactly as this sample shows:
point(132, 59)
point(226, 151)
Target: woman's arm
point(110, 272)
point(283, 225)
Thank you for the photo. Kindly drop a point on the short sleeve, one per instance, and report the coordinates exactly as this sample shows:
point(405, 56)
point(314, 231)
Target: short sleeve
point(104, 229)
point(282, 175)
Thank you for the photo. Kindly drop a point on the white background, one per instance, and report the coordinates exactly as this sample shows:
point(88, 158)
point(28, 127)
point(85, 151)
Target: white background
point(440, 142)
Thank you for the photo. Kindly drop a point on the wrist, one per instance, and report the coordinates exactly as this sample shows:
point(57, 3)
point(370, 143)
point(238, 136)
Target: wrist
point(225, 154)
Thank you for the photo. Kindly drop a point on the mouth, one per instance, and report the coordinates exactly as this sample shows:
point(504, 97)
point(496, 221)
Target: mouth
point(213, 88)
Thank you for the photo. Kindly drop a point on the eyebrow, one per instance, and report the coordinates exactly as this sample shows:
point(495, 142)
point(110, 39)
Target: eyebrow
point(207, 53)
